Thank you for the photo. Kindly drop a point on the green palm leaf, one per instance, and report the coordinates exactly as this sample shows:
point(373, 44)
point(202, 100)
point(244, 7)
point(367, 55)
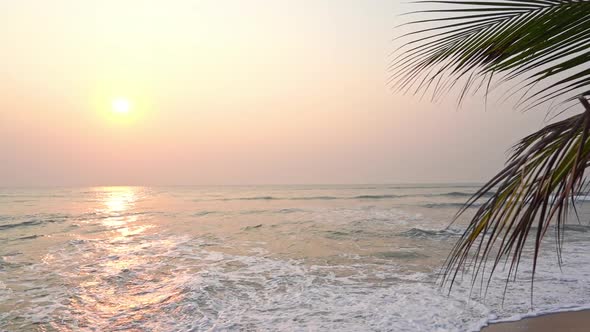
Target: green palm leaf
point(542, 47)
point(539, 184)
point(536, 41)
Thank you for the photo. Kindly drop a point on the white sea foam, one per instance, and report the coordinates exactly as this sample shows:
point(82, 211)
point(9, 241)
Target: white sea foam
point(234, 292)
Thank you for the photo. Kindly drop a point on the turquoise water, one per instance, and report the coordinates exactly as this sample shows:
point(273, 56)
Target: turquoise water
point(268, 258)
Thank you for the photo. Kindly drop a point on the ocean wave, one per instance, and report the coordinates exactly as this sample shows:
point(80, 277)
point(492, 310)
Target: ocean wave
point(118, 214)
point(343, 234)
point(577, 228)
point(250, 228)
point(30, 237)
point(537, 313)
point(270, 198)
point(313, 198)
point(582, 198)
point(430, 233)
point(449, 205)
point(377, 196)
point(247, 212)
point(257, 198)
point(460, 194)
point(404, 255)
point(362, 197)
point(31, 222)
point(289, 210)
point(203, 213)
point(434, 186)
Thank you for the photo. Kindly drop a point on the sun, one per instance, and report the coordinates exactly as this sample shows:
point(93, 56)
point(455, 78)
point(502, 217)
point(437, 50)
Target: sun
point(121, 105)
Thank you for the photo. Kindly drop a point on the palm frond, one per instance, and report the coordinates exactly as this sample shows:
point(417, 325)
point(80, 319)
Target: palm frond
point(469, 42)
point(537, 187)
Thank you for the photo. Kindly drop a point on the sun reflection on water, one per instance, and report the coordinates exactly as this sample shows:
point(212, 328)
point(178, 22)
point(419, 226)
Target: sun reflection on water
point(119, 199)
point(123, 278)
point(118, 205)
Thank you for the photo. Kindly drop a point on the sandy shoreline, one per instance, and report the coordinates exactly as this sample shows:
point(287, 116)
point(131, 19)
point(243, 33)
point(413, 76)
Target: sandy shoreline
point(576, 321)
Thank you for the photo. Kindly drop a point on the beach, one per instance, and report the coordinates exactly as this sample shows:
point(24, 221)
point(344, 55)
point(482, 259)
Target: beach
point(577, 321)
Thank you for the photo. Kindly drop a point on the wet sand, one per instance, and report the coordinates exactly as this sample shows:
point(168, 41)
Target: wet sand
point(578, 321)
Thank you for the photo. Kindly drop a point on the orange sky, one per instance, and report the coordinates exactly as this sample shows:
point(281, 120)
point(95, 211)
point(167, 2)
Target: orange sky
point(226, 92)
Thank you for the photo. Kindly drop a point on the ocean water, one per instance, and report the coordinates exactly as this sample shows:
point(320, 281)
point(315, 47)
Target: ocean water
point(269, 258)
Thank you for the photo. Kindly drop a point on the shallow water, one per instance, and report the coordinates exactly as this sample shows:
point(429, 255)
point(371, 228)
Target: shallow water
point(290, 258)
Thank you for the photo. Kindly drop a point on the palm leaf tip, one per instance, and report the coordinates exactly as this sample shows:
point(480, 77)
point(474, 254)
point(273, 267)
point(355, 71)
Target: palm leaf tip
point(533, 193)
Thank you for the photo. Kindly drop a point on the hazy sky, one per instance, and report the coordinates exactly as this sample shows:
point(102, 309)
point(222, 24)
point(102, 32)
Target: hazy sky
point(227, 92)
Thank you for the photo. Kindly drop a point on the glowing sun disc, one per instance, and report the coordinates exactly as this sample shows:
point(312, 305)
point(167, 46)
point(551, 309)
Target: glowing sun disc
point(121, 105)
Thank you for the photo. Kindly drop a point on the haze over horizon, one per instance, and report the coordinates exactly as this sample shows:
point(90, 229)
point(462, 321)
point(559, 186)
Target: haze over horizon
point(220, 92)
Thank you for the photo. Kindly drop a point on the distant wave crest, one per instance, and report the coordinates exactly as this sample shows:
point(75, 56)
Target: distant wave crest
point(34, 221)
point(377, 196)
point(430, 233)
point(363, 197)
point(448, 205)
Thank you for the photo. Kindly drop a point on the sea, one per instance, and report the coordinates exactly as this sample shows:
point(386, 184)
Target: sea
point(262, 258)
